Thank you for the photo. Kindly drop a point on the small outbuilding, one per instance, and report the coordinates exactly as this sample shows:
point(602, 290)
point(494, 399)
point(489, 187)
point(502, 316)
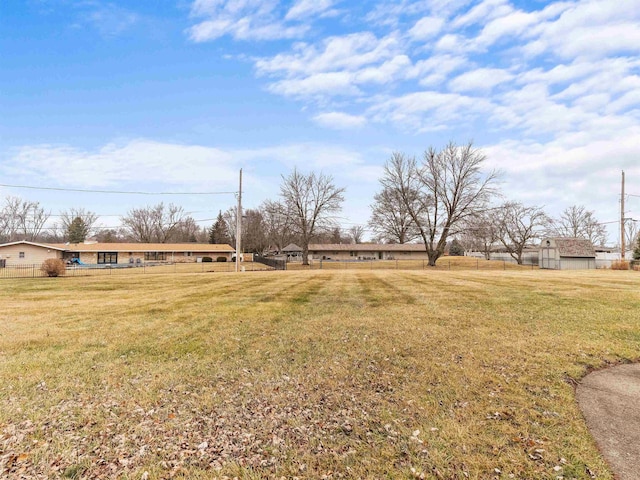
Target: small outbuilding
point(293, 252)
point(565, 253)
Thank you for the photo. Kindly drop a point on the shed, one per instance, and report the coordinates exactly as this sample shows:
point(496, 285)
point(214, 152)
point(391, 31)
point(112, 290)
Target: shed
point(566, 253)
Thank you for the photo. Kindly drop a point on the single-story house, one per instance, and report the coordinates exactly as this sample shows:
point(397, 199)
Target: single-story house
point(92, 253)
point(368, 251)
point(566, 253)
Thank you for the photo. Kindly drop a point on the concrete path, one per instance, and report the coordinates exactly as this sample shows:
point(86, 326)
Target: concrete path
point(610, 402)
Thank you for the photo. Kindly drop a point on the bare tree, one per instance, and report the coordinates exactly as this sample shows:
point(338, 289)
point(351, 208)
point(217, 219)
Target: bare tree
point(632, 232)
point(441, 192)
point(310, 200)
point(356, 233)
point(390, 218)
point(278, 224)
point(480, 233)
point(22, 219)
point(519, 226)
point(9, 223)
point(112, 235)
point(230, 220)
point(578, 222)
point(187, 230)
point(153, 223)
point(334, 235)
point(32, 221)
point(254, 233)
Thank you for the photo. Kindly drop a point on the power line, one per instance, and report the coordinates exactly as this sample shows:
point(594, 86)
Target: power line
point(123, 215)
point(119, 192)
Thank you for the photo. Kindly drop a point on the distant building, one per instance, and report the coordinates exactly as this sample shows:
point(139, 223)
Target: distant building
point(368, 251)
point(564, 253)
point(94, 253)
point(292, 253)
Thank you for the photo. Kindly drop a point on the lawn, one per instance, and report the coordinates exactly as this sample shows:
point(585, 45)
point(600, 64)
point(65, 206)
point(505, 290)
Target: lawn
point(443, 263)
point(341, 374)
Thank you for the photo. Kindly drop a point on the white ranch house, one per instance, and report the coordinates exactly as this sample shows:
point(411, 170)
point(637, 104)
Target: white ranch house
point(94, 253)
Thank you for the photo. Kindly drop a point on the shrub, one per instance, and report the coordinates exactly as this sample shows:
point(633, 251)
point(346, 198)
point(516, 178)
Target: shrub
point(53, 267)
point(207, 259)
point(221, 259)
point(619, 265)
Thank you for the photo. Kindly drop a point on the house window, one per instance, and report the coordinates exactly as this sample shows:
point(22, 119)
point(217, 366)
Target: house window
point(107, 257)
point(352, 253)
point(188, 254)
point(21, 254)
point(154, 256)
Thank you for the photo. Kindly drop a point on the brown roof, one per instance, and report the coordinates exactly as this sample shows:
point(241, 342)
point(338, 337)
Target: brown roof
point(574, 247)
point(144, 247)
point(35, 244)
point(367, 247)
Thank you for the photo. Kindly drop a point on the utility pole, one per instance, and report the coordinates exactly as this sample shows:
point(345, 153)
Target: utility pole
point(239, 225)
point(622, 230)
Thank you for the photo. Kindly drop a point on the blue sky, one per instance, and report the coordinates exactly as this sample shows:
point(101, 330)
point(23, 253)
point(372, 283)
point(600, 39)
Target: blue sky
point(178, 95)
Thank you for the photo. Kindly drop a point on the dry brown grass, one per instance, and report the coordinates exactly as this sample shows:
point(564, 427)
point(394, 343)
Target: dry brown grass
point(383, 374)
point(443, 263)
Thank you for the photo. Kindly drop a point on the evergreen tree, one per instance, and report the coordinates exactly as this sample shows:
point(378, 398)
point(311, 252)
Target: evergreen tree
point(456, 250)
point(77, 231)
point(636, 251)
point(218, 233)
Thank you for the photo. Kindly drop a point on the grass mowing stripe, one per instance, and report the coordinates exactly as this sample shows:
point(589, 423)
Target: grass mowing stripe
point(364, 374)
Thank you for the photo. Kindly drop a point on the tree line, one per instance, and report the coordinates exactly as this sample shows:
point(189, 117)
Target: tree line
point(444, 195)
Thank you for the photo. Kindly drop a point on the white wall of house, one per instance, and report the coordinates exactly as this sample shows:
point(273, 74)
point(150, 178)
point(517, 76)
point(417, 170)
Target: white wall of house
point(344, 255)
point(25, 254)
point(91, 258)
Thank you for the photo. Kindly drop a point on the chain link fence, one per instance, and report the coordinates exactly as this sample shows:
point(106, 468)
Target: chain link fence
point(34, 271)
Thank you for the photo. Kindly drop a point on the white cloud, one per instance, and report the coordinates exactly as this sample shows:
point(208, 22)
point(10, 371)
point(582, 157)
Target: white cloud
point(145, 161)
point(107, 19)
point(242, 19)
point(319, 84)
point(340, 120)
point(435, 69)
point(348, 52)
point(305, 8)
point(426, 28)
point(132, 162)
point(305, 156)
point(591, 28)
point(451, 43)
point(485, 10)
point(110, 20)
point(337, 66)
point(564, 172)
point(482, 79)
point(429, 110)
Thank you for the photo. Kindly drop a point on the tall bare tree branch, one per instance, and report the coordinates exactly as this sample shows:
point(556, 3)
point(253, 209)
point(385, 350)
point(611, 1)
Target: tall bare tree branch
point(310, 200)
point(442, 191)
